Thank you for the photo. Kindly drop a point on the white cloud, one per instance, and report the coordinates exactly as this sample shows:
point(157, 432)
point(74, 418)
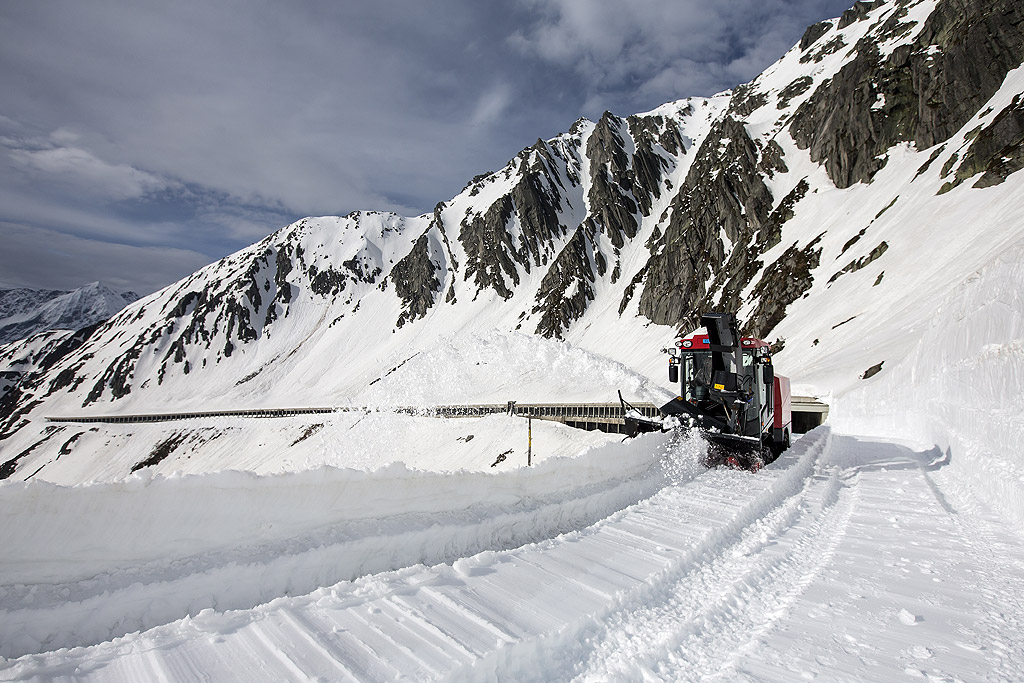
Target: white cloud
point(491, 105)
point(79, 167)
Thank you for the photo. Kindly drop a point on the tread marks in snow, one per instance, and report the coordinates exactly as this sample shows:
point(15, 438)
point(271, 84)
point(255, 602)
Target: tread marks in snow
point(717, 608)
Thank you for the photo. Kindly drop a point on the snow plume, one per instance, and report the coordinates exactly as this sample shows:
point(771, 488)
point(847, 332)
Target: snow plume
point(496, 367)
point(684, 456)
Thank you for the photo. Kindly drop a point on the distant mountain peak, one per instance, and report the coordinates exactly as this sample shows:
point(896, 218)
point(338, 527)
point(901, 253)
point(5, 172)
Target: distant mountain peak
point(25, 312)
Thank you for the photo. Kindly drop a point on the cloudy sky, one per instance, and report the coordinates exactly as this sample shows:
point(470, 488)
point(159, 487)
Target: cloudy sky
point(142, 140)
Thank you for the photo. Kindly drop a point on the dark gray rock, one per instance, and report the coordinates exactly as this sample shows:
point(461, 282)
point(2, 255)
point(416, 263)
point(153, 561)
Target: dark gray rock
point(416, 283)
point(746, 99)
point(782, 283)
point(794, 89)
point(996, 151)
point(859, 12)
point(612, 204)
point(829, 48)
point(724, 192)
point(813, 32)
point(567, 288)
point(872, 371)
point(493, 256)
point(922, 93)
point(863, 261)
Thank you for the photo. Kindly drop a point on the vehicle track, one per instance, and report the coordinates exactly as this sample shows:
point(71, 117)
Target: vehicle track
point(985, 534)
point(717, 608)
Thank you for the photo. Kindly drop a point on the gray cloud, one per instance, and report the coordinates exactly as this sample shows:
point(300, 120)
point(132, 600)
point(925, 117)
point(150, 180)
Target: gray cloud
point(205, 125)
point(58, 161)
point(658, 51)
point(31, 255)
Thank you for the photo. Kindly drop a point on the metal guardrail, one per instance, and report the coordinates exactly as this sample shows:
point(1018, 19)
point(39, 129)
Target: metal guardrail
point(550, 411)
point(168, 417)
point(587, 415)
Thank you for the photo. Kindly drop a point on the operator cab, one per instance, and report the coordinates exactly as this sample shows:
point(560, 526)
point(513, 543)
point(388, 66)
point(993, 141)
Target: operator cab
point(736, 396)
point(692, 360)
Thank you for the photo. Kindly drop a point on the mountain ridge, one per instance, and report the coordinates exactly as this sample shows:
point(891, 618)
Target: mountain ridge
point(786, 200)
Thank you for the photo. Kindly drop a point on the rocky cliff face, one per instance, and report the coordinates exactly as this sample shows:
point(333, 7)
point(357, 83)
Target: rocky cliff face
point(750, 201)
point(922, 90)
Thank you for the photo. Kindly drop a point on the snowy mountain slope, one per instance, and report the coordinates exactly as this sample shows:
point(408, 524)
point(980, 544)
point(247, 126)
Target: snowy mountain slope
point(477, 368)
point(860, 207)
point(284, 319)
point(25, 312)
point(854, 172)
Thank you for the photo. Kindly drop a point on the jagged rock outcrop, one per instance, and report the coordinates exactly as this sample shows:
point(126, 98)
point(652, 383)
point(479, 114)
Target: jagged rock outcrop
point(691, 269)
point(624, 186)
point(612, 205)
point(783, 282)
point(495, 249)
point(923, 92)
point(995, 151)
point(416, 283)
point(813, 32)
point(859, 12)
point(568, 287)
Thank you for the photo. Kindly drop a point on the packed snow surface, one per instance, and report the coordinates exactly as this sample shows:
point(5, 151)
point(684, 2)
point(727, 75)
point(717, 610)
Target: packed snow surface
point(801, 571)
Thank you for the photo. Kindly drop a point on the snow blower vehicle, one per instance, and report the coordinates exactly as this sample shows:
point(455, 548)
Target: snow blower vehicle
point(728, 389)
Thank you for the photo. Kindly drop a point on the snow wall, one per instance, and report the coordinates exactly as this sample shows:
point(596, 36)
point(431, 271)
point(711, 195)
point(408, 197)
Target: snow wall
point(961, 387)
point(68, 533)
point(102, 560)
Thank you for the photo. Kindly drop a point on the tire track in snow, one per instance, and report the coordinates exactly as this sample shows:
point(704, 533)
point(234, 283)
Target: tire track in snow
point(716, 609)
point(522, 614)
point(711, 514)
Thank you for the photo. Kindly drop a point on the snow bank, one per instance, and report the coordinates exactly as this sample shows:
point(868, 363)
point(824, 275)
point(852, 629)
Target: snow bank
point(961, 388)
point(91, 562)
point(358, 440)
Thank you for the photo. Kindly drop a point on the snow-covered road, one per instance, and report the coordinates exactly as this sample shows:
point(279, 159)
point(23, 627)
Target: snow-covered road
point(847, 559)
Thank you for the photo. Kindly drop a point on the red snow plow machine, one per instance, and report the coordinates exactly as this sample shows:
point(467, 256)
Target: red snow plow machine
point(728, 389)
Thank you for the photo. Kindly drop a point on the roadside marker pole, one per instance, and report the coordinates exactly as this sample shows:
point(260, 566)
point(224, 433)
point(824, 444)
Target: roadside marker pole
point(529, 441)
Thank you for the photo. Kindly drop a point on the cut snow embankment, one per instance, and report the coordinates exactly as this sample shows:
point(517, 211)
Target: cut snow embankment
point(539, 612)
point(962, 386)
point(364, 440)
point(89, 563)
